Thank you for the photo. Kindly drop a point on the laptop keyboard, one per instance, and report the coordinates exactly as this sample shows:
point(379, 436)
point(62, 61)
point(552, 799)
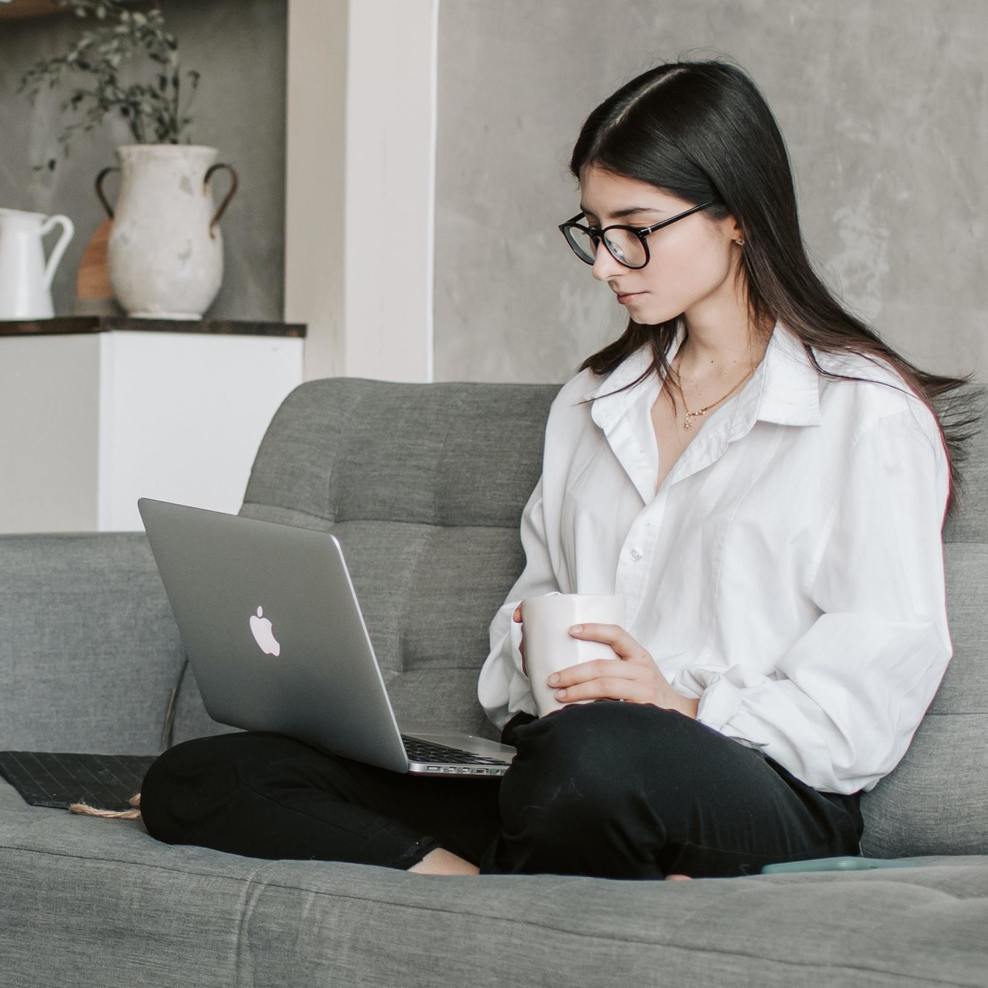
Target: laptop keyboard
point(428, 751)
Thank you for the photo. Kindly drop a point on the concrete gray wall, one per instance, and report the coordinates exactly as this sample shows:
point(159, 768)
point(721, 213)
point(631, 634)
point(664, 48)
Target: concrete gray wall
point(884, 107)
point(239, 47)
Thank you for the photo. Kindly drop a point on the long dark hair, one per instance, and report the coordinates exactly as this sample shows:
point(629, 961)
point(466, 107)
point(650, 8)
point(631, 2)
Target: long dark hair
point(702, 130)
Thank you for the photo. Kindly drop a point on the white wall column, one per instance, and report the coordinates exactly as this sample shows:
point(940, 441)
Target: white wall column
point(367, 297)
point(315, 143)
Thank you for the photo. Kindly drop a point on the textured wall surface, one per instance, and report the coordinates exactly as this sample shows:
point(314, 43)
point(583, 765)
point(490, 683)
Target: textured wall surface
point(239, 47)
point(884, 107)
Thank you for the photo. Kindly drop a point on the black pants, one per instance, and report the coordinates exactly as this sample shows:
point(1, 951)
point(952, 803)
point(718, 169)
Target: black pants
point(610, 789)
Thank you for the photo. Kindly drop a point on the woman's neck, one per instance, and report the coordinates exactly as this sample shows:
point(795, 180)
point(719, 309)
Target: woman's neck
point(721, 352)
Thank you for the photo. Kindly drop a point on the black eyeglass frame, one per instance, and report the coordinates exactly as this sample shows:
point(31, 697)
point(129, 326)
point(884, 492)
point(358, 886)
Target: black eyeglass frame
point(597, 233)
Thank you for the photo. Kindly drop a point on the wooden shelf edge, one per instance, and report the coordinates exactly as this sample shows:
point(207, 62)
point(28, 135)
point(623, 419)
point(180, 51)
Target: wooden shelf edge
point(22, 9)
point(61, 325)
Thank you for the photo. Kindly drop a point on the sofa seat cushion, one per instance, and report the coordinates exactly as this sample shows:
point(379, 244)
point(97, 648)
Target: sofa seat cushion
point(128, 909)
point(12, 800)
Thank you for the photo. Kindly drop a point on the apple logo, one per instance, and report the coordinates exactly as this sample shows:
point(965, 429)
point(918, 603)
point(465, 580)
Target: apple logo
point(260, 628)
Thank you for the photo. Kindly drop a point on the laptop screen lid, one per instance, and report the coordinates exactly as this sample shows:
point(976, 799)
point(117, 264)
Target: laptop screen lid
point(274, 633)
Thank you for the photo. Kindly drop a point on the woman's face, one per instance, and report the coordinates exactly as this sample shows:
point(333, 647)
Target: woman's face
point(690, 262)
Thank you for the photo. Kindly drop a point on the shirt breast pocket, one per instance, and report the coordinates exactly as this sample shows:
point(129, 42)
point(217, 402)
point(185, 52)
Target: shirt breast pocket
point(599, 505)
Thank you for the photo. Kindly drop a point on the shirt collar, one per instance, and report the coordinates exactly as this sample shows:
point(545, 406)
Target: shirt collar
point(785, 388)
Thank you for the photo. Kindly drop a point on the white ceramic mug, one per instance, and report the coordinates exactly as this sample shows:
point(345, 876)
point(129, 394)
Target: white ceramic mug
point(549, 646)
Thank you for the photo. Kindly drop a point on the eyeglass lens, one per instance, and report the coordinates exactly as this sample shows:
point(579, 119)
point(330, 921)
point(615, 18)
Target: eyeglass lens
point(624, 245)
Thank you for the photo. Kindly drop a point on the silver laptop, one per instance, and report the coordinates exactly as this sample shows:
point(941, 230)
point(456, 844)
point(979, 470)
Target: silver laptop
point(276, 639)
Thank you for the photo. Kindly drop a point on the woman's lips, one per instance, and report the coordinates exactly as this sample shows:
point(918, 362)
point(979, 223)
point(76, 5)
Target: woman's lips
point(623, 298)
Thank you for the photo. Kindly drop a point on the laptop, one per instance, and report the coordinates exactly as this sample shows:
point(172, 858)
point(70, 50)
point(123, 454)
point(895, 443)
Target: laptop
point(277, 641)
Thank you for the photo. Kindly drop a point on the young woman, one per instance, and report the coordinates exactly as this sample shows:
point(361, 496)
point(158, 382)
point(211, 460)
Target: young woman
point(763, 480)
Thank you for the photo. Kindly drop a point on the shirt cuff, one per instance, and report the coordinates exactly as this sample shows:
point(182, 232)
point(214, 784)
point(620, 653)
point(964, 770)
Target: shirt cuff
point(719, 702)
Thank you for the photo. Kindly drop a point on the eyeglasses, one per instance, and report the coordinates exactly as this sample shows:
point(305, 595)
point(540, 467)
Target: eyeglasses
point(626, 244)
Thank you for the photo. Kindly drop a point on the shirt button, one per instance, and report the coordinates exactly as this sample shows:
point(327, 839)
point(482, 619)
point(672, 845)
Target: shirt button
point(636, 554)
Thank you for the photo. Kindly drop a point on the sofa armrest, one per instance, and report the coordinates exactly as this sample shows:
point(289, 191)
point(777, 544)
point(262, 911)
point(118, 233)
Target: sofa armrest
point(89, 648)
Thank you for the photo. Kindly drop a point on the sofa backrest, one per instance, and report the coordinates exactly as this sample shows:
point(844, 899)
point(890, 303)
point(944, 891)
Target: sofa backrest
point(424, 485)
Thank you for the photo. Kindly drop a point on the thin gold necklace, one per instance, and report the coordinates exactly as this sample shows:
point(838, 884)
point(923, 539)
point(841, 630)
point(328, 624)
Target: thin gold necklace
point(688, 422)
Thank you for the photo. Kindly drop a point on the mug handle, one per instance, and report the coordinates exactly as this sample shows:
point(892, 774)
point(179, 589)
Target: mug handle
point(63, 241)
point(227, 198)
point(99, 188)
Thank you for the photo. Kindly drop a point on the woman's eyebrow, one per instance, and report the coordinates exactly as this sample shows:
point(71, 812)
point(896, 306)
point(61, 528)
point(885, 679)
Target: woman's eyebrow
point(624, 212)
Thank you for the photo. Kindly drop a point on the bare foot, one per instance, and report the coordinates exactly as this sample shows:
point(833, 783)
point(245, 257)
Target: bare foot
point(439, 861)
point(679, 878)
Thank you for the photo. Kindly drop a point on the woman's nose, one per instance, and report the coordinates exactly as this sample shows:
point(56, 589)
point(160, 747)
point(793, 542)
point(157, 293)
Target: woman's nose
point(604, 265)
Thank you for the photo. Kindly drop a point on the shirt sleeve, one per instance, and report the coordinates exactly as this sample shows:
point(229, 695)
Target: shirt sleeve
point(503, 689)
point(841, 707)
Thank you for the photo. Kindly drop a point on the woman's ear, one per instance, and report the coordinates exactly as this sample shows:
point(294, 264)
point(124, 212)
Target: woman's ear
point(731, 229)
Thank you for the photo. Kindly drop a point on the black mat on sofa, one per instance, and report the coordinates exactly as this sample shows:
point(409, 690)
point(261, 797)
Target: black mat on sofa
point(48, 778)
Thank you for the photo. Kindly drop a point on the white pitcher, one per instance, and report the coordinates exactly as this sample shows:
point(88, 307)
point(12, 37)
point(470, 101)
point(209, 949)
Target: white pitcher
point(25, 277)
point(165, 254)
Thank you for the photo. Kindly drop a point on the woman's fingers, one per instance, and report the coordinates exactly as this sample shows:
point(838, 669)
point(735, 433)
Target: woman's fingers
point(624, 646)
point(521, 644)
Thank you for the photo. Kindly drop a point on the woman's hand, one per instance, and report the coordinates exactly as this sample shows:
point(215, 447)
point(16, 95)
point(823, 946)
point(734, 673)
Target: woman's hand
point(634, 676)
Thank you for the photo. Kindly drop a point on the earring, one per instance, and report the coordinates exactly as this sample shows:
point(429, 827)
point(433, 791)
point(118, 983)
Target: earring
point(740, 241)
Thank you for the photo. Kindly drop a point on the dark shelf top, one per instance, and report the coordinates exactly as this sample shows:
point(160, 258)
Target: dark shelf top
point(102, 324)
point(20, 9)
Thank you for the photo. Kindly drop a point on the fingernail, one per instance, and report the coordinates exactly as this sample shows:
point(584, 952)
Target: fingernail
point(577, 627)
point(553, 679)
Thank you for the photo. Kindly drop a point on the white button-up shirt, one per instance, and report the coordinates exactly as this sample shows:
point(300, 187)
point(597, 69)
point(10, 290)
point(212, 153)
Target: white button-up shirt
point(788, 572)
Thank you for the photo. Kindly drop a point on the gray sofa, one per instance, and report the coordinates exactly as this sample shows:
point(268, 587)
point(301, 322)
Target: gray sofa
point(424, 485)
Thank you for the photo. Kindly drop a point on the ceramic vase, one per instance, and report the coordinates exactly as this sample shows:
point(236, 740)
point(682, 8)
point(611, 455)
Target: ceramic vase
point(165, 253)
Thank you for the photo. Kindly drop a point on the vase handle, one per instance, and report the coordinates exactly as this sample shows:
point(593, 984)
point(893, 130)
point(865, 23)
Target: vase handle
point(227, 198)
point(99, 188)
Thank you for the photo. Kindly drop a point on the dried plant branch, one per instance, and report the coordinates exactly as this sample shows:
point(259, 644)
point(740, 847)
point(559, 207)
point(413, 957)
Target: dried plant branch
point(152, 107)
